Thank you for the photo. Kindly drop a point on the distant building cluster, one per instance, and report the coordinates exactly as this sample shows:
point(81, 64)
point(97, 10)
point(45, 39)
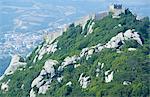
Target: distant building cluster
point(20, 43)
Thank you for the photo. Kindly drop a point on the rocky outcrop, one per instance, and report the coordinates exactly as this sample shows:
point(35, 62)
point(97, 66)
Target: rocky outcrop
point(4, 86)
point(126, 83)
point(44, 88)
point(99, 67)
point(114, 42)
point(121, 37)
point(40, 81)
point(59, 79)
point(32, 93)
point(77, 65)
point(89, 27)
point(89, 51)
point(131, 34)
point(84, 81)
point(14, 65)
point(69, 83)
point(68, 61)
point(131, 49)
point(109, 76)
point(90, 30)
point(45, 49)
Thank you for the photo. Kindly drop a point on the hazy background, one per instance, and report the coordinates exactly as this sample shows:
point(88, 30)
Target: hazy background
point(22, 22)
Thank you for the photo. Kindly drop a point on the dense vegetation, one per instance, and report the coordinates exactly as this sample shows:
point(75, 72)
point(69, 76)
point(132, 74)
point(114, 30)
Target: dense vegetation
point(131, 66)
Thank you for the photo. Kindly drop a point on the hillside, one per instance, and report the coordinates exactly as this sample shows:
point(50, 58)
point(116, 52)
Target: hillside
point(109, 57)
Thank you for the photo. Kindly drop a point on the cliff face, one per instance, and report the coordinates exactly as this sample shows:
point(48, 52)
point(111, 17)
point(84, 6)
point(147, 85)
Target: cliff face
point(100, 57)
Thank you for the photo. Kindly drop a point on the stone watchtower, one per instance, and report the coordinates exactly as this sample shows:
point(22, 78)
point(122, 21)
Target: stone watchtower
point(116, 9)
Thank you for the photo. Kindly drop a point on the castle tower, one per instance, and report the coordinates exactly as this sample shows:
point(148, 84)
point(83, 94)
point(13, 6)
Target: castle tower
point(116, 9)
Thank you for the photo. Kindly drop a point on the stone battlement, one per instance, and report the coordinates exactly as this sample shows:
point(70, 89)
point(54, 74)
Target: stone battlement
point(116, 9)
point(118, 6)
